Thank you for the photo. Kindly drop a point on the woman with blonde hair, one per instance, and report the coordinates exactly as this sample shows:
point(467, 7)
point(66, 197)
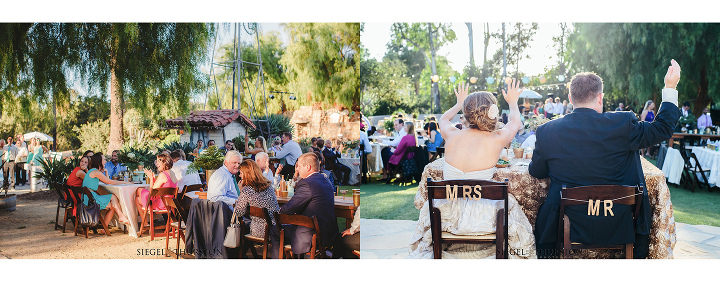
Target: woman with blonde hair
point(256, 191)
point(648, 115)
point(406, 141)
point(259, 146)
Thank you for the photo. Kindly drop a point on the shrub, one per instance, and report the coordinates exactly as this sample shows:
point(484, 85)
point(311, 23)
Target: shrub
point(94, 136)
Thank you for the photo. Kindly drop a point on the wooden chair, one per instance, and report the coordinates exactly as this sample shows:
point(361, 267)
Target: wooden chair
point(150, 209)
point(490, 190)
point(81, 190)
point(693, 175)
point(251, 240)
point(625, 195)
point(71, 209)
point(178, 217)
point(299, 220)
point(397, 171)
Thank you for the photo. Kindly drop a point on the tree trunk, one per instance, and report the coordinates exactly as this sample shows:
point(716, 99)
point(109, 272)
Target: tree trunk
point(470, 37)
point(703, 99)
point(435, 94)
point(486, 42)
point(116, 115)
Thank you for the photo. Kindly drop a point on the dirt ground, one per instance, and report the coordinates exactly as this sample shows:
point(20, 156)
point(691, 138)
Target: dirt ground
point(28, 233)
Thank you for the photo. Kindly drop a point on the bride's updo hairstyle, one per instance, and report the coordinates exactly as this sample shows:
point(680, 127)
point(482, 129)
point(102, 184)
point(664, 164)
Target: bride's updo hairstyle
point(475, 110)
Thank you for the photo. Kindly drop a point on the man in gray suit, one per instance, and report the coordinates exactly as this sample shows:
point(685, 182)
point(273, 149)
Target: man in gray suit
point(8, 156)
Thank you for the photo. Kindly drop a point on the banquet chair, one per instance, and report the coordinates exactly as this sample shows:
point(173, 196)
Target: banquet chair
point(71, 209)
point(365, 178)
point(87, 192)
point(490, 190)
point(176, 224)
point(397, 172)
point(150, 210)
point(693, 174)
point(248, 241)
point(299, 220)
point(619, 194)
point(64, 202)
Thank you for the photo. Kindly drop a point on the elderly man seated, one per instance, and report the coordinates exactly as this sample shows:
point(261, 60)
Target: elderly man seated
point(313, 197)
point(263, 161)
point(180, 166)
point(222, 185)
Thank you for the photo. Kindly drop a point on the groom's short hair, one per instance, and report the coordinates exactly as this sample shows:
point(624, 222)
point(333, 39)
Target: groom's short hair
point(585, 86)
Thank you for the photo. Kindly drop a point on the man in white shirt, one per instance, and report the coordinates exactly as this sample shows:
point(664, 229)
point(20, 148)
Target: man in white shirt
point(549, 108)
point(180, 166)
point(222, 185)
point(704, 121)
point(20, 159)
point(558, 107)
point(263, 161)
point(388, 151)
point(685, 110)
point(290, 151)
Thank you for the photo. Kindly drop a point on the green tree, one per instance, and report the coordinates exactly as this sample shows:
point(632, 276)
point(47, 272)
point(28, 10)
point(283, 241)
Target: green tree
point(148, 63)
point(321, 62)
point(632, 58)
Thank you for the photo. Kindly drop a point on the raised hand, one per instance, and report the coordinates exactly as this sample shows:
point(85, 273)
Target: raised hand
point(461, 93)
point(672, 77)
point(513, 93)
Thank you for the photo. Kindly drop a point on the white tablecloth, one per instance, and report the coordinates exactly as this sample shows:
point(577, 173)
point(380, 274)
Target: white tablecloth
point(673, 165)
point(354, 169)
point(126, 196)
point(375, 163)
point(709, 161)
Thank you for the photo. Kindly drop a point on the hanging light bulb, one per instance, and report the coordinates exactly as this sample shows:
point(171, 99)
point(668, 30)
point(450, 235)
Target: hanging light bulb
point(490, 80)
point(561, 78)
point(473, 80)
point(453, 79)
point(543, 80)
point(526, 80)
point(508, 80)
point(435, 78)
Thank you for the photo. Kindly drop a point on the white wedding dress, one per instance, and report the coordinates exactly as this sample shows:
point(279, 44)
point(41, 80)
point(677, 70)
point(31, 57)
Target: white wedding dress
point(471, 217)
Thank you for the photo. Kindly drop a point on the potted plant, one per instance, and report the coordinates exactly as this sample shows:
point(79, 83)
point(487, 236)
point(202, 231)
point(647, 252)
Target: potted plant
point(517, 149)
point(135, 158)
point(210, 160)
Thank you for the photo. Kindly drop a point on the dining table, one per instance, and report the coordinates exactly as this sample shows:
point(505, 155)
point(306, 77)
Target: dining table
point(375, 163)
point(530, 193)
point(126, 197)
point(344, 207)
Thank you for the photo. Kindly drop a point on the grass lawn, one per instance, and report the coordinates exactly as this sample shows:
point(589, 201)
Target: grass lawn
point(393, 202)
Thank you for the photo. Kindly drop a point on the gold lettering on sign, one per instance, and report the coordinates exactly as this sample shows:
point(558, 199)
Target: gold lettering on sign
point(593, 209)
point(608, 207)
point(478, 190)
point(467, 190)
point(451, 192)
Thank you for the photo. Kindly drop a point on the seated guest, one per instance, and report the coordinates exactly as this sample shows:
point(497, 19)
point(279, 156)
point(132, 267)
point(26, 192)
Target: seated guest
point(114, 166)
point(211, 143)
point(257, 191)
point(704, 121)
point(313, 144)
point(386, 152)
point(521, 135)
point(351, 238)
point(92, 180)
point(229, 145)
point(78, 174)
point(88, 153)
point(290, 151)
point(179, 168)
point(341, 172)
point(276, 146)
point(222, 185)
point(435, 140)
point(598, 149)
point(313, 197)
point(165, 179)
point(325, 171)
point(199, 147)
point(263, 161)
point(407, 141)
point(259, 146)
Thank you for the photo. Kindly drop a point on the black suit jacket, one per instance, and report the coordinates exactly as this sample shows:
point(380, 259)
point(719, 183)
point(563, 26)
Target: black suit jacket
point(331, 161)
point(314, 196)
point(590, 148)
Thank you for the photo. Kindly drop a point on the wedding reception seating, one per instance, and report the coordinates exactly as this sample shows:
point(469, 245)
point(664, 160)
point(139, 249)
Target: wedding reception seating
point(151, 208)
point(468, 190)
point(299, 220)
point(605, 197)
point(91, 200)
point(398, 172)
point(65, 201)
point(126, 197)
point(178, 215)
point(248, 241)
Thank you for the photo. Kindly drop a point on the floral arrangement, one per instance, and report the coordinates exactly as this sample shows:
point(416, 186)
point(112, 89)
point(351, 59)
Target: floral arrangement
point(211, 159)
point(351, 144)
point(388, 125)
point(514, 144)
point(531, 124)
point(134, 157)
point(688, 120)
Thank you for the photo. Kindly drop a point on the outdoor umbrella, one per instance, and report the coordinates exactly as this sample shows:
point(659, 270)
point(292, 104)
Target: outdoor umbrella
point(530, 94)
point(39, 135)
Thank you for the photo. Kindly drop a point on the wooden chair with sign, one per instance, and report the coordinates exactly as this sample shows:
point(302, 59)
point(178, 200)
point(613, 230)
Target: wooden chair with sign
point(488, 190)
point(249, 241)
point(594, 197)
point(299, 220)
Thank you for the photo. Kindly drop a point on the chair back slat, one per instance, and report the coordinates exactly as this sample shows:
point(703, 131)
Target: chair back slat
point(623, 194)
point(163, 191)
point(298, 220)
point(193, 187)
point(489, 189)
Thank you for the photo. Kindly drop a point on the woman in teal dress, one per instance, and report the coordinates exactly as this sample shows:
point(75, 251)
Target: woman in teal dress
point(109, 201)
point(38, 153)
point(31, 152)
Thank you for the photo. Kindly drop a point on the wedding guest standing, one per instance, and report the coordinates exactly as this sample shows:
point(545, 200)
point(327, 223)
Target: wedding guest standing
point(290, 151)
point(648, 113)
point(558, 107)
point(621, 107)
point(549, 108)
point(199, 147)
point(259, 146)
point(704, 121)
point(20, 159)
point(8, 157)
point(222, 185)
point(598, 149)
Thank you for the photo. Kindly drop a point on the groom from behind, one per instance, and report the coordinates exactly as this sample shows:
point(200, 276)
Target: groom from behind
point(598, 149)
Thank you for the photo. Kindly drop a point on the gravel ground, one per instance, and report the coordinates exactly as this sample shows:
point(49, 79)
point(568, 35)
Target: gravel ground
point(28, 233)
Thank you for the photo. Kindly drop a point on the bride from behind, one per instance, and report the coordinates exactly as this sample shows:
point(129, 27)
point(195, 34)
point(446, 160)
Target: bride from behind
point(472, 153)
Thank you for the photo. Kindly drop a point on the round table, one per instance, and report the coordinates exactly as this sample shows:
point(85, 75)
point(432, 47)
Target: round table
point(354, 169)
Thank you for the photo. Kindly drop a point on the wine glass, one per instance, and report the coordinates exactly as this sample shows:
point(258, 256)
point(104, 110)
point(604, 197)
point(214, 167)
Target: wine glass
point(343, 192)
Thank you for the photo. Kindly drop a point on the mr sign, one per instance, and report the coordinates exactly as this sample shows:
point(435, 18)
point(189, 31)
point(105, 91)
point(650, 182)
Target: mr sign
point(451, 192)
point(594, 207)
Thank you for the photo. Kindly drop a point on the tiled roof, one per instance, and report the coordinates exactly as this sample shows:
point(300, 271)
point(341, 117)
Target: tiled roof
point(210, 119)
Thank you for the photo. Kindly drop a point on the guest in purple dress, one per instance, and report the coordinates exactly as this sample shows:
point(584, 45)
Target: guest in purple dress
point(648, 115)
point(406, 141)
